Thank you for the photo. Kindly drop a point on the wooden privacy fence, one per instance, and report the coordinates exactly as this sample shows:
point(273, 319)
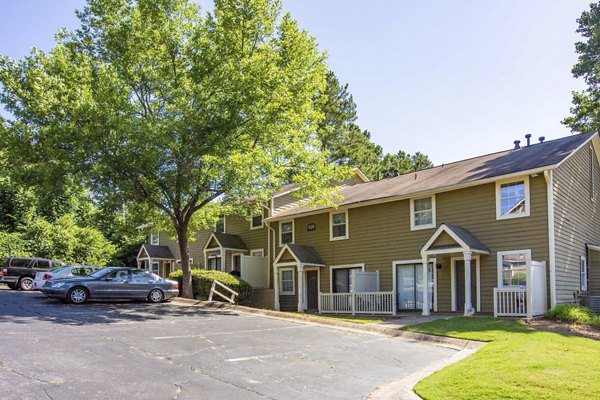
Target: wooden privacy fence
point(213, 290)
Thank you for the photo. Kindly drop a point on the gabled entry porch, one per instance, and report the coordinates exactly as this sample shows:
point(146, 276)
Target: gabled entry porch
point(297, 278)
point(464, 250)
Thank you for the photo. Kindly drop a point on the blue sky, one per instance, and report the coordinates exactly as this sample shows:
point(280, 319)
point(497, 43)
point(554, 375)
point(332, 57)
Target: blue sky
point(452, 79)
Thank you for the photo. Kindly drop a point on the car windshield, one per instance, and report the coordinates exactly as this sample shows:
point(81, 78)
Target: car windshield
point(101, 273)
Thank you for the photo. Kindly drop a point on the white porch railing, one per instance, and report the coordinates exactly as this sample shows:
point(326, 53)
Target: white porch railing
point(523, 302)
point(357, 303)
point(510, 302)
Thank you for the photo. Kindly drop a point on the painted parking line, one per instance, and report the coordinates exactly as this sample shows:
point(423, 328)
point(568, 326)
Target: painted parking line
point(257, 358)
point(231, 333)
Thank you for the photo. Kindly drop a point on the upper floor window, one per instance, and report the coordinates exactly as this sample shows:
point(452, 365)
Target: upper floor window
point(256, 222)
point(512, 199)
point(512, 267)
point(154, 238)
point(339, 225)
point(220, 225)
point(422, 213)
point(286, 232)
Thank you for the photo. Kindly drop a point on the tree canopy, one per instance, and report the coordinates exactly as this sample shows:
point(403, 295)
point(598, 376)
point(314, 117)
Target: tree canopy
point(585, 111)
point(159, 104)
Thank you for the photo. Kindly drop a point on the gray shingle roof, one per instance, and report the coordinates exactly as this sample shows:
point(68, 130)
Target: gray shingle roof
point(154, 251)
point(305, 254)
point(536, 156)
point(467, 237)
point(230, 241)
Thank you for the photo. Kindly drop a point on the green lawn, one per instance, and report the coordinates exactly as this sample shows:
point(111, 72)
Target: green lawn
point(345, 318)
point(518, 363)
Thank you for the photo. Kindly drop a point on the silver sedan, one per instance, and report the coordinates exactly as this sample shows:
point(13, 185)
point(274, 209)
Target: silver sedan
point(113, 283)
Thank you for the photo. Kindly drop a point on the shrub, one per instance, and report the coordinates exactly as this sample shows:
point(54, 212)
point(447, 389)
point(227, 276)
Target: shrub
point(202, 281)
point(574, 314)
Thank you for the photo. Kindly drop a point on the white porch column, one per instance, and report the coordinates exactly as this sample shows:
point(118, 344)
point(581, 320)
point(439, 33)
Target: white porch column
point(425, 262)
point(223, 261)
point(276, 287)
point(300, 288)
point(468, 302)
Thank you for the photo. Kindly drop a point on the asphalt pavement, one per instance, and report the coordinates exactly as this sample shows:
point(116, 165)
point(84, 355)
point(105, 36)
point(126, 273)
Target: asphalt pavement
point(127, 350)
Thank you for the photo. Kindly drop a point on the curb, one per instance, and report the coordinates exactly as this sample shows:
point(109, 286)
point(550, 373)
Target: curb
point(453, 343)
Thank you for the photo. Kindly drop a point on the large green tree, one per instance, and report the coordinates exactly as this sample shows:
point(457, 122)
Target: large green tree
point(585, 111)
point(155, 103)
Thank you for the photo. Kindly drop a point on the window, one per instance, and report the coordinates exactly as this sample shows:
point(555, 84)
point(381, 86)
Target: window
point(422, 213)
point(220, 225)
point(256, 222)
point(339, 225)
point(286, 232)
point(178, 262)
point(155, 267)
point(257, 253)
point(584, 274)
point(154, 239)
point(512, 199)
point(341, 278)
point(512, 267)
point(43, 264)
point(214, 263)
point(286, 279)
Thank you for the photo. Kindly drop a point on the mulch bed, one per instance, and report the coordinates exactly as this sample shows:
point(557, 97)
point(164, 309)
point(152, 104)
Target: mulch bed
point(565, 328)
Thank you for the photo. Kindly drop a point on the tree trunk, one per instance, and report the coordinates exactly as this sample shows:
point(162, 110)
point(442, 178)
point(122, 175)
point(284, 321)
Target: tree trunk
point(182, 239)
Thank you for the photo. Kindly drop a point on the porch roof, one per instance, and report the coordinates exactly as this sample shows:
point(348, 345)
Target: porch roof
point(463, 240)
point(229, 241)
point(302, 254)
point(154, 251)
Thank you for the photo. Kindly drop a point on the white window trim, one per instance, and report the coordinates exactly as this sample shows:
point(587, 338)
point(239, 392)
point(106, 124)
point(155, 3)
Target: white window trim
point(499, 263)
point(527, 199)
point(262, 252)
point(347, 235)
point(332, 267)
point(224, 225)
point(293, 233)
point(262, 222)
point(414, 227)
point(583, 282)
point(157, 238)
point(281, 291)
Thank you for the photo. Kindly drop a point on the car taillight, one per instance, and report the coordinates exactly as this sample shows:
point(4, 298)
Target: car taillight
point(4, 271)
point(176, 285)
point(46, 277)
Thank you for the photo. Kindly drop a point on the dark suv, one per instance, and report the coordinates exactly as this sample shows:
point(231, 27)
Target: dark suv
point(19, 272)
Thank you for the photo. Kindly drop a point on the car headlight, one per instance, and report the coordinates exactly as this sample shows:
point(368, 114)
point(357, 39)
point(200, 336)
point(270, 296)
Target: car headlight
point(58, 284)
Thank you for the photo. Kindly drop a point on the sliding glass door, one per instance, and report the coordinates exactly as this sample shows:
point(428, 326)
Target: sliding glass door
point(409, 286)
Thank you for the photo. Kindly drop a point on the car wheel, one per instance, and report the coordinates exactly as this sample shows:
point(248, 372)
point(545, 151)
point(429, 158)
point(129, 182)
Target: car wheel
point(155, 296)
point(13, 286)
point(26, 283)
point(77, 295)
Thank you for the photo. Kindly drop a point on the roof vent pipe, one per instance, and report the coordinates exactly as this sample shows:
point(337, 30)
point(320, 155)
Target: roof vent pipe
point(528, 137)
point(542, 138)
point(517, 144)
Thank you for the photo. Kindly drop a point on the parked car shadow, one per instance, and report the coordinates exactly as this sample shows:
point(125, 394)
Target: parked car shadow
point(28, 307)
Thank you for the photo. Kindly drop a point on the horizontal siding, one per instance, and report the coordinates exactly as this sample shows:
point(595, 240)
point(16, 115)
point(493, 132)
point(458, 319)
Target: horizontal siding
point(380, 234)
point(576, 219)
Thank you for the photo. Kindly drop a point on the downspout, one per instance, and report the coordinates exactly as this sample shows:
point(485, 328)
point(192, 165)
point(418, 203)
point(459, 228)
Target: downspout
point(549, 176)
point(275, 283)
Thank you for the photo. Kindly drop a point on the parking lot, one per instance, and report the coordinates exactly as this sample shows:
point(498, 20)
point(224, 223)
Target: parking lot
point(122, 350)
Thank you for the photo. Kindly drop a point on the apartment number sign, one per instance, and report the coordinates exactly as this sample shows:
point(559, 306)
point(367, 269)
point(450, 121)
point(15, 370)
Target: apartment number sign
point(311, 227)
